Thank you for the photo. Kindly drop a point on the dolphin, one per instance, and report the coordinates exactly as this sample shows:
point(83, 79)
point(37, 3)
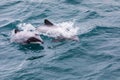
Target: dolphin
point(25, 37)
point(56, 32)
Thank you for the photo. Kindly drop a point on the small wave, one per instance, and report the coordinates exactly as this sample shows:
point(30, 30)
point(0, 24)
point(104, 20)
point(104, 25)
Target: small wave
point(73, 1)
point(37, 1)
point(8, 26)
point(35, 57)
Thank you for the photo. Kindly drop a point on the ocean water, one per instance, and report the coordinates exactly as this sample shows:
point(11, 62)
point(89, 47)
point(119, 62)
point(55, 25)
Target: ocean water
point(95, 57)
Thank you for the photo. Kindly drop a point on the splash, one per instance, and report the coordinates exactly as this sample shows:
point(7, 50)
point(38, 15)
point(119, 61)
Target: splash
point(64, 29)
point(26, 27)
point(68, 29)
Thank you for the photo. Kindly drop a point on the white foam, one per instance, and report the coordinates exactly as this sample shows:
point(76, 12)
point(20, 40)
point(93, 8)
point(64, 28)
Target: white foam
point(26, 27)
point(68, 29)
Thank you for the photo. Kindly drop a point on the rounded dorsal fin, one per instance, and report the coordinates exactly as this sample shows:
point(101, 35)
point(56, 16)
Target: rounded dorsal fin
point(17, 30)
point(48, 23)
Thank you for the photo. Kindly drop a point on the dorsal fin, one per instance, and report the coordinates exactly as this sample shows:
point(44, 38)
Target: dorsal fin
point(48, 23)
point(17, 30)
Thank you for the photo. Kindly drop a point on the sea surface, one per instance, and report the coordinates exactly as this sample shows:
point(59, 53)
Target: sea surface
point(95, 57)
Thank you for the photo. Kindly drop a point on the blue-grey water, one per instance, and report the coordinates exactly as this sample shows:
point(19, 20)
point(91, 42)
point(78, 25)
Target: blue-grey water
point(95, 57)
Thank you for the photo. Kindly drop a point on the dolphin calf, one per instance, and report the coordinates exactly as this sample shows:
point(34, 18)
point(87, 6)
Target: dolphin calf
point(25, 37)
point(58, 33)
